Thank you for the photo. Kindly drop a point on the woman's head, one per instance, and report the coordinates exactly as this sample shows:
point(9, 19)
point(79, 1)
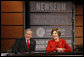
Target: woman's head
point(55, 33)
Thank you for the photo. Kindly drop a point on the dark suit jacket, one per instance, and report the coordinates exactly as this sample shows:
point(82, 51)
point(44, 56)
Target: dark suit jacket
point(21, 46)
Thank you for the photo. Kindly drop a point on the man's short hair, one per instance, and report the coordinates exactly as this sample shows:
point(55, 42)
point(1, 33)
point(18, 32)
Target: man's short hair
point(28, 30)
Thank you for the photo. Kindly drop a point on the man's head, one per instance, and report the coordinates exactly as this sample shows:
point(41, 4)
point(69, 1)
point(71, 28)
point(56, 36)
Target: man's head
point(28, 34)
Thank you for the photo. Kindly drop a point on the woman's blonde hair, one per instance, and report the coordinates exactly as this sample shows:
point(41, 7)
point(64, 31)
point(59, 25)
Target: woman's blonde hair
point(57, 30)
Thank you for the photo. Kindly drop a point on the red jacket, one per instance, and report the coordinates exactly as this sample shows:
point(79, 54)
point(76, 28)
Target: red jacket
point(53, 45)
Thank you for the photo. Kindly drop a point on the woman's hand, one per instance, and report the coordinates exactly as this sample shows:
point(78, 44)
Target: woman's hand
point(60, 49)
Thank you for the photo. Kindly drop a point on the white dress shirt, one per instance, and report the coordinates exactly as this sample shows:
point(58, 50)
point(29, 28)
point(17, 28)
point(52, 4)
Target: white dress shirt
point(29, 41)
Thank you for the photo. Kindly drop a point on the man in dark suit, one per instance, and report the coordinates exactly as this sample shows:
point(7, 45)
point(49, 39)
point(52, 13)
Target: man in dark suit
point(26, 44)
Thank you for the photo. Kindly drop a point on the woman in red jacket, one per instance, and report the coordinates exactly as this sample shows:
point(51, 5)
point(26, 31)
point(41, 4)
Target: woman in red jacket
point(57, 44)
